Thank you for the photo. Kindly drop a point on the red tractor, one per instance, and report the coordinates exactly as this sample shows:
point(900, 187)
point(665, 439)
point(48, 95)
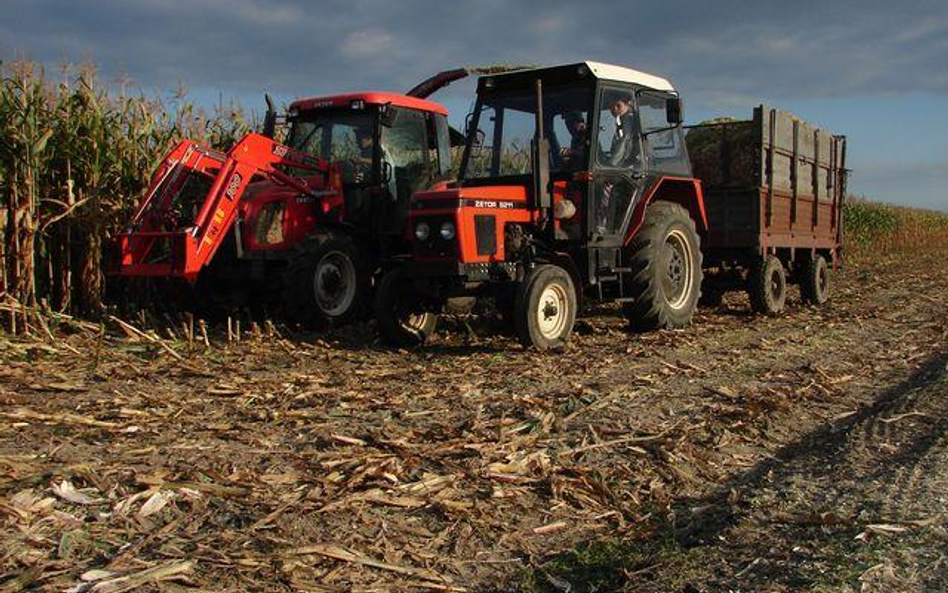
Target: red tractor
point(313, 217)
point(575, 181)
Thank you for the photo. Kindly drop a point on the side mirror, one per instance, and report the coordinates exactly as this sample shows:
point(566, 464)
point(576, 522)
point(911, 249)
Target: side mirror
point(386, 172)
point(388, 115)
point(673, 111)
point(270, 119)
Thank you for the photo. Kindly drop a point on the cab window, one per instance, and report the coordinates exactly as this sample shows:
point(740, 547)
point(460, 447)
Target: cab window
point(405, 149)
point(664, 145)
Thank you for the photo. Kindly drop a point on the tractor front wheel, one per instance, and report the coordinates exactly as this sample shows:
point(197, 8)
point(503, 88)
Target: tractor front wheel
point(401, 324)
point(545, 307)
point(325, 281)
point(767, 286)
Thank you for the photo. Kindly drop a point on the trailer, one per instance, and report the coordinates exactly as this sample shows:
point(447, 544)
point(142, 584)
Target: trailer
point(774, 187)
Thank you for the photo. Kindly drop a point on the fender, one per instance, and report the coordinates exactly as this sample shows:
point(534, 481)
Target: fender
point(685, 191)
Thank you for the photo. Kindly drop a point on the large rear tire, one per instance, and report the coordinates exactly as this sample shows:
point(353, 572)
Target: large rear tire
point(545, 307)
point(326, 281)
point(767, 286)
point(665, 259)
point(399, 323)
point(815, 280)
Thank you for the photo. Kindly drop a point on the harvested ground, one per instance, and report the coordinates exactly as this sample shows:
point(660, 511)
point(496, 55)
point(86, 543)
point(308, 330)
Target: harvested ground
point(802, 452)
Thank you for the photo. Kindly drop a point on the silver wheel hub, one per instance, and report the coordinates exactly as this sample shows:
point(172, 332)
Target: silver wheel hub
point(334, 283)
point(552, 311)
point(678, 279)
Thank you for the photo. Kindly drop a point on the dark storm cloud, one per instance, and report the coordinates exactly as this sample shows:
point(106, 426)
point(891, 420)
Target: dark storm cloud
point(728, 53)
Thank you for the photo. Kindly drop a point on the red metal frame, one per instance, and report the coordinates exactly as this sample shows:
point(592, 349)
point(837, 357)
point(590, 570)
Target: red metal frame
point(191, 247)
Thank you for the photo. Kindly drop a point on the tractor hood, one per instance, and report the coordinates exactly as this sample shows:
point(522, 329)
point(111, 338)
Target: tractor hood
point(266, 191)
point(488, 196)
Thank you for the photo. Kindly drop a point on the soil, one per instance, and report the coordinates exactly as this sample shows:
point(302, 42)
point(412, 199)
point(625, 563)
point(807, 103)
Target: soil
point(803, 452)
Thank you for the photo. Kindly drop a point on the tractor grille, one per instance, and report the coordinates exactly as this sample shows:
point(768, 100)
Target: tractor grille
point(485, 231)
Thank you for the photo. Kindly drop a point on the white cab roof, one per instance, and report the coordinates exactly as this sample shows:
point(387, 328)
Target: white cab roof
point(610, 72)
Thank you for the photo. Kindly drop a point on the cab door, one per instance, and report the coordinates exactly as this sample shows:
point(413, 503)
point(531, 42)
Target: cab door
point(618, 173)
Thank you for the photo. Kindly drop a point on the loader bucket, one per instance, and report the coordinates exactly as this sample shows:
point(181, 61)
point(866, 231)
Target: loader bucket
point(161, 238)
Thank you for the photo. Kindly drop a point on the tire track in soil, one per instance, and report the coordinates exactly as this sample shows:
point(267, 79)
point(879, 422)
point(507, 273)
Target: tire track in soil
point(795, 524)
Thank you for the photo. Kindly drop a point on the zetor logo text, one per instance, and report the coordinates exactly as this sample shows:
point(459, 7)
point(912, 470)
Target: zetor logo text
point(233, 186)
point(492, 204)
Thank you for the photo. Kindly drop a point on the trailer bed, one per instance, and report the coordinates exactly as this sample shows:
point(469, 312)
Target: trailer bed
point(773, 182)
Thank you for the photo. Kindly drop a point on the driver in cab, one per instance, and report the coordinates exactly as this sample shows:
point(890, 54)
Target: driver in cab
point(363, 161)
point(623, 149)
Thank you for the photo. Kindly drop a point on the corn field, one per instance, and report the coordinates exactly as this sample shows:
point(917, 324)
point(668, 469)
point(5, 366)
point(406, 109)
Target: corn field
point(873, 230)
point(75, 158)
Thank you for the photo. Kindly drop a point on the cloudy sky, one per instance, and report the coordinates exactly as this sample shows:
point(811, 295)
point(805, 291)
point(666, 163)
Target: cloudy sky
point(876, 71)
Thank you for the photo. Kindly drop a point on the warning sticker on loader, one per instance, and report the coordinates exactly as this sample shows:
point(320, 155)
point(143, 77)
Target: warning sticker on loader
point(233, 186)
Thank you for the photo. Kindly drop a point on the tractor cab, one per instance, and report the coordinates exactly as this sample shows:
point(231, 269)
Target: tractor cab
point(611, 131)
point(386, 145)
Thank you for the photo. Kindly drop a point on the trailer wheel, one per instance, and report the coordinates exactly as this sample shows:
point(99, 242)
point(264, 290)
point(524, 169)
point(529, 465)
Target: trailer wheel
point(399, 323)
point(325, 280)
point(767, 286)
point(545, 307)
point(815, 281)
point(665, 259)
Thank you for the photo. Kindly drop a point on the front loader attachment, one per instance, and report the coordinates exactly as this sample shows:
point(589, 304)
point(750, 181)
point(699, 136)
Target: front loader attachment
point(192, 203)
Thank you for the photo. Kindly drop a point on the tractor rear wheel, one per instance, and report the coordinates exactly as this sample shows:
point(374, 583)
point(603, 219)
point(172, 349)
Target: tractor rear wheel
point(326, 281)
point(400, 324)
point(815, 280)
point(545, 307)
point(767, 286)
point(665, 259)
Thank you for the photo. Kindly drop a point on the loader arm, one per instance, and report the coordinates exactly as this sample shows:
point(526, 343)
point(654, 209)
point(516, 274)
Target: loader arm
point(175, 233)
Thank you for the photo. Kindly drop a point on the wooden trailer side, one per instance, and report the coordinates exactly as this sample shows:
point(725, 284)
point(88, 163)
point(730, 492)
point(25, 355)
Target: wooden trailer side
point(802, 173)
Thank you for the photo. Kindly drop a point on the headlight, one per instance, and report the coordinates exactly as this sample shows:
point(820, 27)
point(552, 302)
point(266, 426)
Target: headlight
point(447, 231)
point(422, 231)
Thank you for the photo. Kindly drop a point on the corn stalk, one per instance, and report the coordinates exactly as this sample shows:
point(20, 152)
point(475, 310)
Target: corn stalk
point(75, 158)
